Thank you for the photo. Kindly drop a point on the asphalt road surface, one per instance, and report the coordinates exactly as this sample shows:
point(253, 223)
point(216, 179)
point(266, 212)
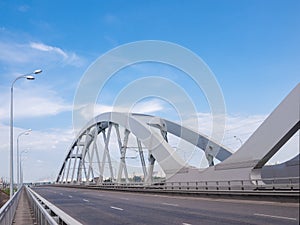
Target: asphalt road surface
point(108, 207)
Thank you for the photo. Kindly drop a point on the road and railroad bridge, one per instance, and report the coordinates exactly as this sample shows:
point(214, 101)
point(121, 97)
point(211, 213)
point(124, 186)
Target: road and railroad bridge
point(239, 189)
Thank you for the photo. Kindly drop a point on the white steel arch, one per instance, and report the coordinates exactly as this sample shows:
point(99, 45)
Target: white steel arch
point(77, 166)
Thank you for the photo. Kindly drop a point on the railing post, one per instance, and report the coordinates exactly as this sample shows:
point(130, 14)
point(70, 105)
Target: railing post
point(291, 183)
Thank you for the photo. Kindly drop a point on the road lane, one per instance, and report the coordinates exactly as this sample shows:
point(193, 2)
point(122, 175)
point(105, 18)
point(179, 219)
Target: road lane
point(104, 207)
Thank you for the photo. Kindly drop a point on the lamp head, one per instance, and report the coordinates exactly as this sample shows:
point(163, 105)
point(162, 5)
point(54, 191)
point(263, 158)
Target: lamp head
point(27, 132)
point(37, 71)
point(30, 77)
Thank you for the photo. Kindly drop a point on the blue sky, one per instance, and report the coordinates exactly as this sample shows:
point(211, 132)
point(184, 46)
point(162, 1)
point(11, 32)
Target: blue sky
point(252, 47)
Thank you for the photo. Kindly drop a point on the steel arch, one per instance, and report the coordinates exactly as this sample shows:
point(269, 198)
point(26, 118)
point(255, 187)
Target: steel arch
point(84, 147)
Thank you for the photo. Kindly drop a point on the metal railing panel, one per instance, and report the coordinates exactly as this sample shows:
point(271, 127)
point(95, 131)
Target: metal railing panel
point(40, 213)
point(8, 210)
point(288, 183)
point(47, 213)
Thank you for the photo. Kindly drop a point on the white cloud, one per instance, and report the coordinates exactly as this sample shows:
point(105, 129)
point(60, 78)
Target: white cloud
point(147, 107)
point(13, 53)
point(45, 151)
point(32, 102)
point(235, 125)
point(243, 127)
point(151, 106)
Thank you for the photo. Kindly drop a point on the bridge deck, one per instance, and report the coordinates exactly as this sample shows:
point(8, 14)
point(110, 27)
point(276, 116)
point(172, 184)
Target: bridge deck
point(24, 215)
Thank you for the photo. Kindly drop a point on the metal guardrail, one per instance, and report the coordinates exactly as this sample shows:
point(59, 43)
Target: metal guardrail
point(286, 183)
point(279, 187)
point(8, 210)
point(280, 184)
point(46, 213)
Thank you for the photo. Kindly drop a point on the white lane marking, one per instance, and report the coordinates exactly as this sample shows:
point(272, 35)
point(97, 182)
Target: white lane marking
point(186, 224)
point(61, 193)
point(100, 195)
point(117, 208)
point(278, 217)
point(85, 200)
point(169, 204)
point(125, 198)
point(70, 196)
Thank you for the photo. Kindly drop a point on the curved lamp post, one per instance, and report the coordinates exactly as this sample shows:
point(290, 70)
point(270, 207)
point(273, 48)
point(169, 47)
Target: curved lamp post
point(18, 156)
point(28, 77)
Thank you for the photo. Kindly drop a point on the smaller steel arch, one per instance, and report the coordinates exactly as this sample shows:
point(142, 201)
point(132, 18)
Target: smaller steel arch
point(196, 138)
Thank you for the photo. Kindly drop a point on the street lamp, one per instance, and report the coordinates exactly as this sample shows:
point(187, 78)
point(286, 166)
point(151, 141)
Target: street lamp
point(237, 138)
point(18, 156)
point(21, 168)
point(28, 77)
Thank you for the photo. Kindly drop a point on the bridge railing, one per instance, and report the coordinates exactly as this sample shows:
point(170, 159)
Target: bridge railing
point(46, 213)
point(287, 184)
point(8, 210)
point(270, 184)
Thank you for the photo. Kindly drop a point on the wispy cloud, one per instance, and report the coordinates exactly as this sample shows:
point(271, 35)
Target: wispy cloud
point(23, 8)
point(23, 53)
point(48, 48)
